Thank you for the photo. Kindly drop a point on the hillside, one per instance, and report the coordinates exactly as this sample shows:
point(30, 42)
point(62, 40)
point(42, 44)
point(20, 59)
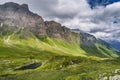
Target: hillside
point(30, 46)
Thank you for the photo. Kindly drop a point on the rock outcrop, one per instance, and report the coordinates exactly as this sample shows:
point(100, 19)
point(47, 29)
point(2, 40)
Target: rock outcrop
point(19, 16)
point(86, 39)
point(115, 75)
point(56, 30)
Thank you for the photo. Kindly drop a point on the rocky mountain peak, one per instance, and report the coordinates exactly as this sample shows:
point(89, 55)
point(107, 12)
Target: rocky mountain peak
point(19, 16)
point(25, 6)
point(56, 30)
point(52, 23)
point(11, 6)
point(87, 39)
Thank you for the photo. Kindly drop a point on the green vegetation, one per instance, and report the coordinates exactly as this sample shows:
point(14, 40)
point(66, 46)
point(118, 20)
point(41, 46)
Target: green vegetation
point(60, 60)
point(58, 67)
point(100, 51)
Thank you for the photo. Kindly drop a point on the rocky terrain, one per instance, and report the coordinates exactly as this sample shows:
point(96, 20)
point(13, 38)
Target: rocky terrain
point(56, 30)
point(18, 16)
point(115, 75)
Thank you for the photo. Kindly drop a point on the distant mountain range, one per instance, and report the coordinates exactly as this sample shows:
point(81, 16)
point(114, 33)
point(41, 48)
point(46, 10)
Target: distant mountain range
point(115, 44)
point(94, 3)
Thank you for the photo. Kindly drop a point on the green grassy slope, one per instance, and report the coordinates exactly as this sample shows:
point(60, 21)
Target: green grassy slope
point(25, 41)
point(15, 46)
point(60, 60)
point(100, 51)
point(12, 42)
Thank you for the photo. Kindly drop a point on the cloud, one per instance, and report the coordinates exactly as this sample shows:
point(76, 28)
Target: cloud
point(103, 22)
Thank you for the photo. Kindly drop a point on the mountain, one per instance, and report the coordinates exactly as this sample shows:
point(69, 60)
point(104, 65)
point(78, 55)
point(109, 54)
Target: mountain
point(34, 49)
point(94, 46)
point(19, 16)
point(116, 44)
point(19, 26)
point(94, 3)
point(56, 30)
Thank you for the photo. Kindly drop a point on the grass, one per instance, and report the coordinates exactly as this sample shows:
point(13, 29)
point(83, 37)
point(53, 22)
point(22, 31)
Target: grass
point(60, 68)
point(35, 45)
point(60, 60)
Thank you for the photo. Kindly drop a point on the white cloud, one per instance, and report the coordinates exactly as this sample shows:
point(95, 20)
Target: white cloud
point(98, 21)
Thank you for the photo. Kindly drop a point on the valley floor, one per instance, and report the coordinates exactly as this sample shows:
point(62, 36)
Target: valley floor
point(59, 68)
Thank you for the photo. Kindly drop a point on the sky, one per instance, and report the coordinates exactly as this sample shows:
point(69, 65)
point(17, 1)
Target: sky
point(101, 21)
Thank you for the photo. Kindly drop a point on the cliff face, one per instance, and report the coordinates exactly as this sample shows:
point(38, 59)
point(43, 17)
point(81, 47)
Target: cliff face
point(87, 40)
point(56, 30)
point(19, 16)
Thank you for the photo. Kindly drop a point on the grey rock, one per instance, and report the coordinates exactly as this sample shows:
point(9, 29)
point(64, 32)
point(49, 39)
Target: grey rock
point(13, 14)
point(116, 77)
point(87, 39)
point(56, 30)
